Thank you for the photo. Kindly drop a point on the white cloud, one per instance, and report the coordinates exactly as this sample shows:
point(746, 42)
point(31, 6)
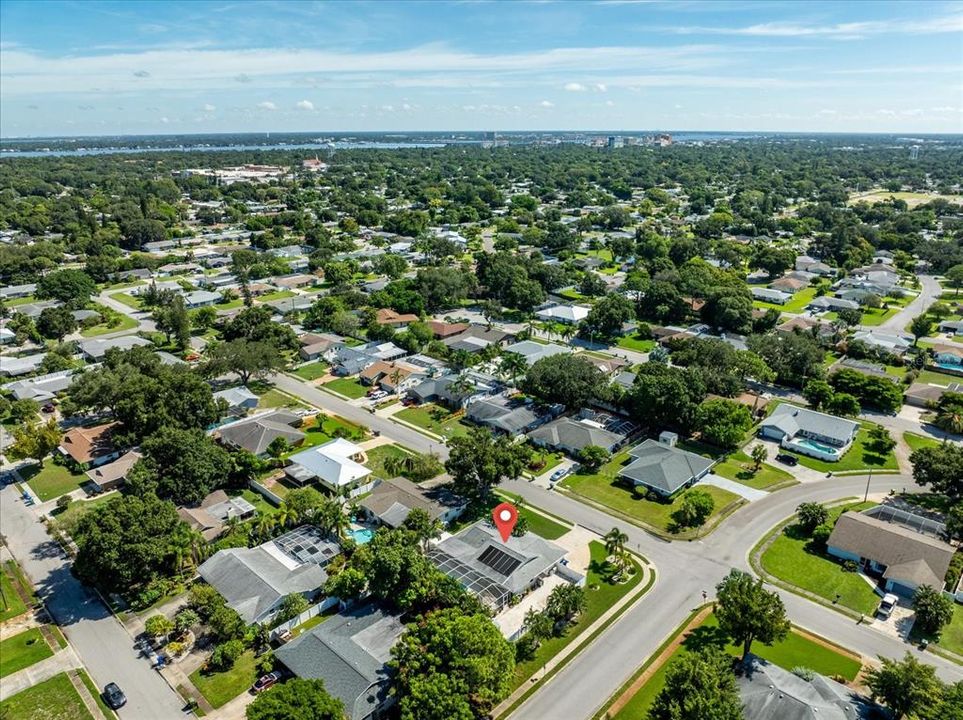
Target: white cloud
point(601, 87)
point(609, 103)
point(267, 105)
point(165, 120)
point(304, 105)
point(839, 31)
point(547, 104)
point(575, 87)
point(207, 107)
point(388, 108)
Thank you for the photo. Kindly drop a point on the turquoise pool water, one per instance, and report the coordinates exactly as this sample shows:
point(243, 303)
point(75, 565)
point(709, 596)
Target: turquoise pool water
point(819, 447)
point(949, 366)
point(362, 536)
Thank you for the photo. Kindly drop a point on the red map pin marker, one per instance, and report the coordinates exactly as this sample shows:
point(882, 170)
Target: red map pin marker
point(505, 516)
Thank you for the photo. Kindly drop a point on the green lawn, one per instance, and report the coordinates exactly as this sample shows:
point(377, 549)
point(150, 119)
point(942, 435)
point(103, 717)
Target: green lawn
point(550, 461)
point(600, 593)
point(68, 519)
point(795, 651)
point(128, 300)
point(952, 637)
point(220, 687)
point(604, 487)
point(537, 522)
point(275, 399)
point(53, 699)
point(279, 295)
point(349, 387)
point(797, 304)
point(635, 342)
point(53, 480)
point(377, 457)
point(858, 457)
point(434, 419)
point(22, 650)
point(313, 622)
point(877, 316)
point(312, 371)
point(125, 322)
point(791, 559)
point(10, 603)
point(229, 305)
point(738, 467)
point(919, 441)
point(20, 301)
point(932, 377)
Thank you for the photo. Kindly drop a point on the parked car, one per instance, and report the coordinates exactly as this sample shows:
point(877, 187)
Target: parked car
point(787, 459)
point(265, 681)
point(49, 408)
point(558, 474)
point(114, 696)
point(886, 605)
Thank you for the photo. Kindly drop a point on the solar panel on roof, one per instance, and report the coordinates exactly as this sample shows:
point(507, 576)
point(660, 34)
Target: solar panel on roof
point(499, 561)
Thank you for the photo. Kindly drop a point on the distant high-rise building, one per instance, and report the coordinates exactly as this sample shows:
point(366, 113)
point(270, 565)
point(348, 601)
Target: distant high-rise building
point(914, 152)
point(614, 142)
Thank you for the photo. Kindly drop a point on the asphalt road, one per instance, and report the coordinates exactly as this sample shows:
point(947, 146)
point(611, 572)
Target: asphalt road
point(98, 638)
point(930, 290)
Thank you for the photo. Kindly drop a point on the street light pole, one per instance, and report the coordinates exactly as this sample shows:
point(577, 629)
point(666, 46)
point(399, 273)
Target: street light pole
point(868, 480)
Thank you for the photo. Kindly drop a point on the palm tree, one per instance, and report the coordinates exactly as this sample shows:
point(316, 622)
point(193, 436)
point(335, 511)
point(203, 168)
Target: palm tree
point(265, 525)
point(462, 385)
point(615, 541)
point(395, 378)
point(513, 365)
point(568, 332)
point(286, 515)
point(187, 547)
point(539, 625)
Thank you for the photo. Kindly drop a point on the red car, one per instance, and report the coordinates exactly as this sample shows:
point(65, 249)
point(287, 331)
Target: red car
point(266, 681)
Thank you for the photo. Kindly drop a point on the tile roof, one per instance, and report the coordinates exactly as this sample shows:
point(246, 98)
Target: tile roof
point(84, 444)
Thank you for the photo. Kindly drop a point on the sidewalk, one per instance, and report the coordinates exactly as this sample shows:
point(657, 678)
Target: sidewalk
point(583, 638)
point(62, 661)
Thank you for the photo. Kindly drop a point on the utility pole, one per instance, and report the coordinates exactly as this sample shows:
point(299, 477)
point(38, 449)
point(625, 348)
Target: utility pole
point(868, 480)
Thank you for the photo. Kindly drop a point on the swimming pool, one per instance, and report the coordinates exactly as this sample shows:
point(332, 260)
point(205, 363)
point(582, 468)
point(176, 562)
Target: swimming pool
point(814, 448)
point(361, 536)
point(950, 366)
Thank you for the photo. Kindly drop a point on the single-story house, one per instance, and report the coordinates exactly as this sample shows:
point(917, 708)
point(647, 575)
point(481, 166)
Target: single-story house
point(808, 432)
point(770, 693)
point(201, 298)
point(951, 327)
point(789, 284)
point(477, 337)
point(111, 475)
point(572, 436)
point(42, 387)
point(239, 399)
point(82, 316)
point(16, 366)
point(255, 580)
point(607, 365)
point(455, 391)
point(924, 395)
point(390, 502)
point(770, 295)
point(134, 274)
point(567, 314)
point(255, 434)
point(350, 653)
point(90, 446)
point(492, 570)
point(315, 346)
point(888, 342)
point(399, 321)
point(33, 310)
point(625, 379)
point(392, 377)
point(172, 285)
point(96, 349)
point(863, 367)
point(298, 280)
point(812, 265)
point(6, 335)
point(663, 468)
point(533, 351)
point(336, 464)
point(822, 330)
point(178, 269)
point(904, 558)
point(825, 302)
point(210, 517)
point(352, 360)
point(14, 292)
point(442, 330)
point(511, 417)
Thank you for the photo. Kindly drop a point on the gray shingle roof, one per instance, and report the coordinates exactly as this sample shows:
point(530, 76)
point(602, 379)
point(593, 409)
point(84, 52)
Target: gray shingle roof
point(256, 433)
point(909, 556)
point(567, 433)
point(349, 653)
point(662, 467)
point(497, 413)
point(790, 419)
point(393, 499)
point(770, 693)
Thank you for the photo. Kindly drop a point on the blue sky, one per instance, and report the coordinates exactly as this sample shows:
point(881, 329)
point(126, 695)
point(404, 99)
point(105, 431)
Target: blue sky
point(90, 67)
